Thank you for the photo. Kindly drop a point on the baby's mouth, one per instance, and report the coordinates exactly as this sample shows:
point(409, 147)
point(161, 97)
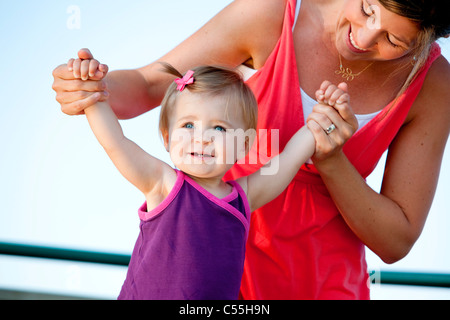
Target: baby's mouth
point(201, 155)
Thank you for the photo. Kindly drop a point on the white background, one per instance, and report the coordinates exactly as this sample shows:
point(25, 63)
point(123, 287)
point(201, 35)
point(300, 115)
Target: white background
point(58, 188)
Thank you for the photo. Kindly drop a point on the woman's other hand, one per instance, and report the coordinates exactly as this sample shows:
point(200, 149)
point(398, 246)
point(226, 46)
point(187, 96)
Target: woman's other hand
point(72, 92)
point(332, 121)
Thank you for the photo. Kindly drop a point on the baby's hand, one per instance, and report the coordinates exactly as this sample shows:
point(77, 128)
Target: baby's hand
point(332, 122)
point(331, 94)
point(89, 69)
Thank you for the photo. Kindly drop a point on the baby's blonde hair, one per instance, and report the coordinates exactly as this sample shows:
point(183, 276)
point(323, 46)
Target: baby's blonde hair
point(213, 81)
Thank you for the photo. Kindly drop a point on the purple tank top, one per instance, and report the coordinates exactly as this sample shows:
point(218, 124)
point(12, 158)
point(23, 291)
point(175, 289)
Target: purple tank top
point(190, 247)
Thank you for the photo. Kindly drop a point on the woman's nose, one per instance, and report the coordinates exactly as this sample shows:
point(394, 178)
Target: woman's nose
point(365, 37)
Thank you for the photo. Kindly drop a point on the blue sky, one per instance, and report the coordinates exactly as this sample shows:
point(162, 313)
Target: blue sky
point(57, 186)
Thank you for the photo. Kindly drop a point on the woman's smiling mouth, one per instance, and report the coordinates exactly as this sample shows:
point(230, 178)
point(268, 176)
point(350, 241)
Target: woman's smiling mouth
point(352, 44)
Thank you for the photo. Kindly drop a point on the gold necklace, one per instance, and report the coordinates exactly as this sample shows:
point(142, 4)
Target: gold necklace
point(347, 73)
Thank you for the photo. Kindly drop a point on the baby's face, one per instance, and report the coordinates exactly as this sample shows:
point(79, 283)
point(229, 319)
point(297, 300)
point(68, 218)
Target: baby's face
point(205, 137)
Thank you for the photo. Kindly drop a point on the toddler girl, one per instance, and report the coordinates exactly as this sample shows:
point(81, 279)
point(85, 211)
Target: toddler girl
point(194, 225)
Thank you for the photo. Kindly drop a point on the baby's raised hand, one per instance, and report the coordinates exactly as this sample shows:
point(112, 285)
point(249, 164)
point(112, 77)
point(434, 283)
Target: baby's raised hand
point(331, 95)
point(89, 69)
point(332, 121)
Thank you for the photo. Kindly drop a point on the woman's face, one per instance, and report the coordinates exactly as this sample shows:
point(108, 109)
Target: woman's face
point(368, 31)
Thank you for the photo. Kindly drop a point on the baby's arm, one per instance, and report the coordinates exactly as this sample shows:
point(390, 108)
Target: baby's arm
point(262, 188)
point(136, 165)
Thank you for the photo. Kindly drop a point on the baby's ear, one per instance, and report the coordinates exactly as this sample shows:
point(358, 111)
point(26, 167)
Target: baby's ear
point(249, 139)
point(165, 137)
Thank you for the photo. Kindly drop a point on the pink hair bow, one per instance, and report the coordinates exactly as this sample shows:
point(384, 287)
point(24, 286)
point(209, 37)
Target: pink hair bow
point(187, 79)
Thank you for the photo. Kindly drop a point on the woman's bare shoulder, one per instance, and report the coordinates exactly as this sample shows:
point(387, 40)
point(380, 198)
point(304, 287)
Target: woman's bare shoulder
point(245, 30)
point(434, 97)
point(261, 22)
point(439, 73)
point(269, 12)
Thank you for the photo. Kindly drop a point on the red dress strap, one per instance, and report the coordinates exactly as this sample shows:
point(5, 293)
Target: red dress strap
point(276, 87)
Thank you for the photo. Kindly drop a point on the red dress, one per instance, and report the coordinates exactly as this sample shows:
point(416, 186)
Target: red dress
point(299, 246)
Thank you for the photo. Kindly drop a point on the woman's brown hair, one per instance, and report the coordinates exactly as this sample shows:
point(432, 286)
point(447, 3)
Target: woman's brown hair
point(433, 20)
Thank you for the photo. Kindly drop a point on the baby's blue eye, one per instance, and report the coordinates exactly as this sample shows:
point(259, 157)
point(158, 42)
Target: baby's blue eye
point(189, 126)
point(220, 128)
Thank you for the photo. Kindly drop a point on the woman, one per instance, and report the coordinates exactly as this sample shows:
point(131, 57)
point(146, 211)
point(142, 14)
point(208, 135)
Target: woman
point(309, 242)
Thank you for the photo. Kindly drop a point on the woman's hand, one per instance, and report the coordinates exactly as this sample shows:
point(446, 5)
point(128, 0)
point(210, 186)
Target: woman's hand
point(78, 87)
point(332, 121)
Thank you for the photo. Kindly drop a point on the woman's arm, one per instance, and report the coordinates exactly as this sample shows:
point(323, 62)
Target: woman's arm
point(246, 30)
point(391, 221)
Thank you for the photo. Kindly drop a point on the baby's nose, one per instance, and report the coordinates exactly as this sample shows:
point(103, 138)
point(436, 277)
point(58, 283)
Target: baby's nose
point(209, 136)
